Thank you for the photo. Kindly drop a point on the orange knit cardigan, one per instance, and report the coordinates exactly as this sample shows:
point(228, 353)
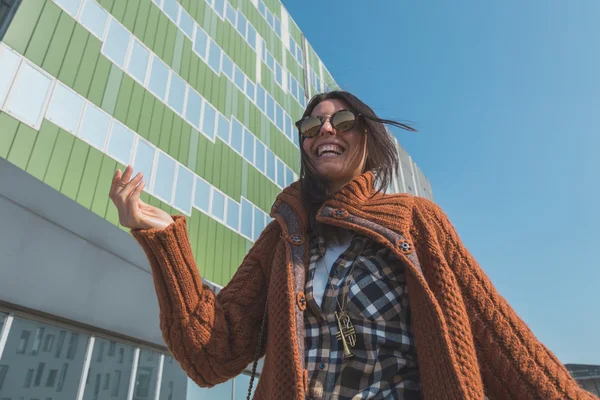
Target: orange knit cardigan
point(469, 340)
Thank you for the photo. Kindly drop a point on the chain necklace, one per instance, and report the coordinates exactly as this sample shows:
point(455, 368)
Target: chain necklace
point(346, 332)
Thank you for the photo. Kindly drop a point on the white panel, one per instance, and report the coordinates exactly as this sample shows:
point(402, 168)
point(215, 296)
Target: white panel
point(65, 108)
point(9, 63)
point(28, 96)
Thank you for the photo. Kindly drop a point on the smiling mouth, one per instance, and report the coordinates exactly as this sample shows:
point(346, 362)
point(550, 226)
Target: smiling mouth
point(329, 150)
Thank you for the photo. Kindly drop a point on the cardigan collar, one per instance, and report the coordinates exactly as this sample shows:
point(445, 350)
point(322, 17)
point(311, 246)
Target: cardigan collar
point(354, 195)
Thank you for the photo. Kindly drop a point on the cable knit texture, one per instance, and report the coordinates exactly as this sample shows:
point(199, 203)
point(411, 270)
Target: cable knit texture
point(469, 340)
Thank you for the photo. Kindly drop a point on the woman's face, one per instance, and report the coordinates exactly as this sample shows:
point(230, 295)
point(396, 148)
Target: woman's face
point(337, 156)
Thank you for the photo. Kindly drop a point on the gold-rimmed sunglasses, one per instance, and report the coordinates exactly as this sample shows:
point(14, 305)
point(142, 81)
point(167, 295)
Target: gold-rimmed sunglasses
point(341, 121)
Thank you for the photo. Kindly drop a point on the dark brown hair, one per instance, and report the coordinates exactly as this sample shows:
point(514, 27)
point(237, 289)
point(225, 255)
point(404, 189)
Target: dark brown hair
point(382, 156)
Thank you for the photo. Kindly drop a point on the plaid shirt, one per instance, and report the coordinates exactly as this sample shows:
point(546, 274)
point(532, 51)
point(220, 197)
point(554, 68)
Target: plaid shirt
point(384, 365)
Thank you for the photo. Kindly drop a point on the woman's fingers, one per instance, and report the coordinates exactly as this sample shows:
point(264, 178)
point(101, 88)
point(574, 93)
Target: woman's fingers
point(115, 184)
point(126, 175)
point(135, 195)
point(130, 186)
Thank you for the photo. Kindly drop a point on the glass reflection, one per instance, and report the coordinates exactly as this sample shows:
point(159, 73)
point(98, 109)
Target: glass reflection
point(183, 189)
point(259, 222)
point(242, 383)
point(208, 120)
point(246, 218)
point(240, 78)
point(270, 165)
point(9, 62)
point(70, 6)
point(165, 175)
point(186, 23)
point(249, 146)
point(94, 126)
point(233, 213)
point(223, 128)
point(260, 156)
point(144, 158)
point(39, 358)
point(159, 75)
point(270, 107)
point(121, 142)
point(227, 66)
point(177, 93)
point(146, 375)
point(109, 371)
point(201, 43)
point(116, 43)
point(218, 205)
point(192, 110)
point(28, 94)
point(174, 381)
point(138, 61)
point(94, 18)
point(214, 57)
point(250, 89)
point(236, 135)
point(280, 174)
point(65, 108)
point(202, 195)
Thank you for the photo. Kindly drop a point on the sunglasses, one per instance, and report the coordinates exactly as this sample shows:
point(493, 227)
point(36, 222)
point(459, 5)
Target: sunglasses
point(341, 121)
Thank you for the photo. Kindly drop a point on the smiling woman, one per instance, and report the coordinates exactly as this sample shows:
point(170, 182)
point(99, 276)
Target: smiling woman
point(349, 292)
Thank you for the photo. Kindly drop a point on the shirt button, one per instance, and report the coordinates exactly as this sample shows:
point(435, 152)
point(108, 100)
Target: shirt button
point(322, 366)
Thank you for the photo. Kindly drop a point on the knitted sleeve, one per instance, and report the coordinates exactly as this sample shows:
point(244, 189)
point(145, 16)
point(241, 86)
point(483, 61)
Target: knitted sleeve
point(213, 337)
point(514, 363)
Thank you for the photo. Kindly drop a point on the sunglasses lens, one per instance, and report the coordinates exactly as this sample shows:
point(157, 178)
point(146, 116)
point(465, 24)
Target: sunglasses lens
point(343, 120)
point(310, 126)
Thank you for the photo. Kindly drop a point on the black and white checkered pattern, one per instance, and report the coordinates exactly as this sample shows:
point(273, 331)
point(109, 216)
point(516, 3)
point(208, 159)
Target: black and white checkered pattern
point(384, 365)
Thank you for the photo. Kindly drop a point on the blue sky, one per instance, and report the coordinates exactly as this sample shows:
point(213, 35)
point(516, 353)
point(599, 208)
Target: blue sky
point(506, 98)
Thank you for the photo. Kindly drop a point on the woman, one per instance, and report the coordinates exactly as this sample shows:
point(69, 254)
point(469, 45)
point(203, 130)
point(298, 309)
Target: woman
point(350, 293)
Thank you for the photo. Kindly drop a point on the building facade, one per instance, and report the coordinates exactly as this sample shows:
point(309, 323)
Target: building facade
point(199, 95)
point(588, 376)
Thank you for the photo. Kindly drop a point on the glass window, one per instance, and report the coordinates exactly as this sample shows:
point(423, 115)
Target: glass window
point(277, 27)
point(192, 109)
point(250, 89)
point(233, 214)
point(186, 23)
point(259, 222)
point(219, 7)
point(260, 97)
point(9, 62)
point(65, 108)
point(301, 93)
point(202, 194)
point(70, 6)
point(176, 93)
point(236, 135)
point(247, 210)
point(271, 165)
point(278, 74)
point(36, 368)
point(223, 128)
point(138, 61)
point(227, 66)
point(165, 175)
point(280, 173)
point(144, 160)
point(174, 382)
point(28, 95)
point(230, 13)
point(146, 375)
point(261, 8)
point(159, 75)
point(249, 146)
point(286, 126)
point(259, 161)
point(116, 43)
point(270, 19)
point(209, 119)
point(94, 17)
point(251, 36)
point(270, 61)
point(270, 107)
point(293, 85)
point(220, 391)
point(214, 57)
point(241, 24)
point(279, 117)
point(94, 126)
point(218, 205)
point(120, 143)
point(240, 78)
point(289, 176)
point(201, 43)
point(171, 8)
point(118, 370)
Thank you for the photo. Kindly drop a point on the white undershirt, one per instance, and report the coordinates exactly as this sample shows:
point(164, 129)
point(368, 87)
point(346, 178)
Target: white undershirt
point(333, 252)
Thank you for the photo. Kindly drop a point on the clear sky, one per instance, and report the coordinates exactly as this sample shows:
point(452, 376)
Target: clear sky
point(506, 98)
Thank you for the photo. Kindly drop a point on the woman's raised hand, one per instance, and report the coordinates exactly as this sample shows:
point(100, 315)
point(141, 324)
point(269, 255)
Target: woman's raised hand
point(133, 212)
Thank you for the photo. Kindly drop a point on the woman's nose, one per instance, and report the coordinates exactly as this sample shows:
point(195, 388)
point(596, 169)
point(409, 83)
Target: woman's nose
point(327, 128)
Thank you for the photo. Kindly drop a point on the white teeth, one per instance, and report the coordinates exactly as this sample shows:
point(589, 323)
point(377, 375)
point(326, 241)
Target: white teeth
point(334, 148)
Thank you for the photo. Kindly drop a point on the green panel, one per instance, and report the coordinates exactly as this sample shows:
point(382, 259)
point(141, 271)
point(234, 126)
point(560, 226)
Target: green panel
point(107, 4)
point(218, 262)
point(150, 33)
point(77, 161)
point(184, 143)
point(107, 170)
point(167, 54)
point(146, 114)
point(23, 24)
point(90, 178)
point(83, 80)
point(210, 249)
point(176, 136)
point(40, 40)
point(7, 133)
point(135, 106)
point(192, 143)
point(178, 51)
point(59, 44)
point(112, 215)
point(118, 10)
point(186, 57)
point(42, 149)
point(141, 19)
point(161, 35)
point(165, 134)
point(69, 68)
point(193, 231)
point(21, 148)
point(58, 161)
point(124, 98)
point(131, 13)
point(99, 80)
point(112, 91)
point(155, 126)
point(202, 243)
